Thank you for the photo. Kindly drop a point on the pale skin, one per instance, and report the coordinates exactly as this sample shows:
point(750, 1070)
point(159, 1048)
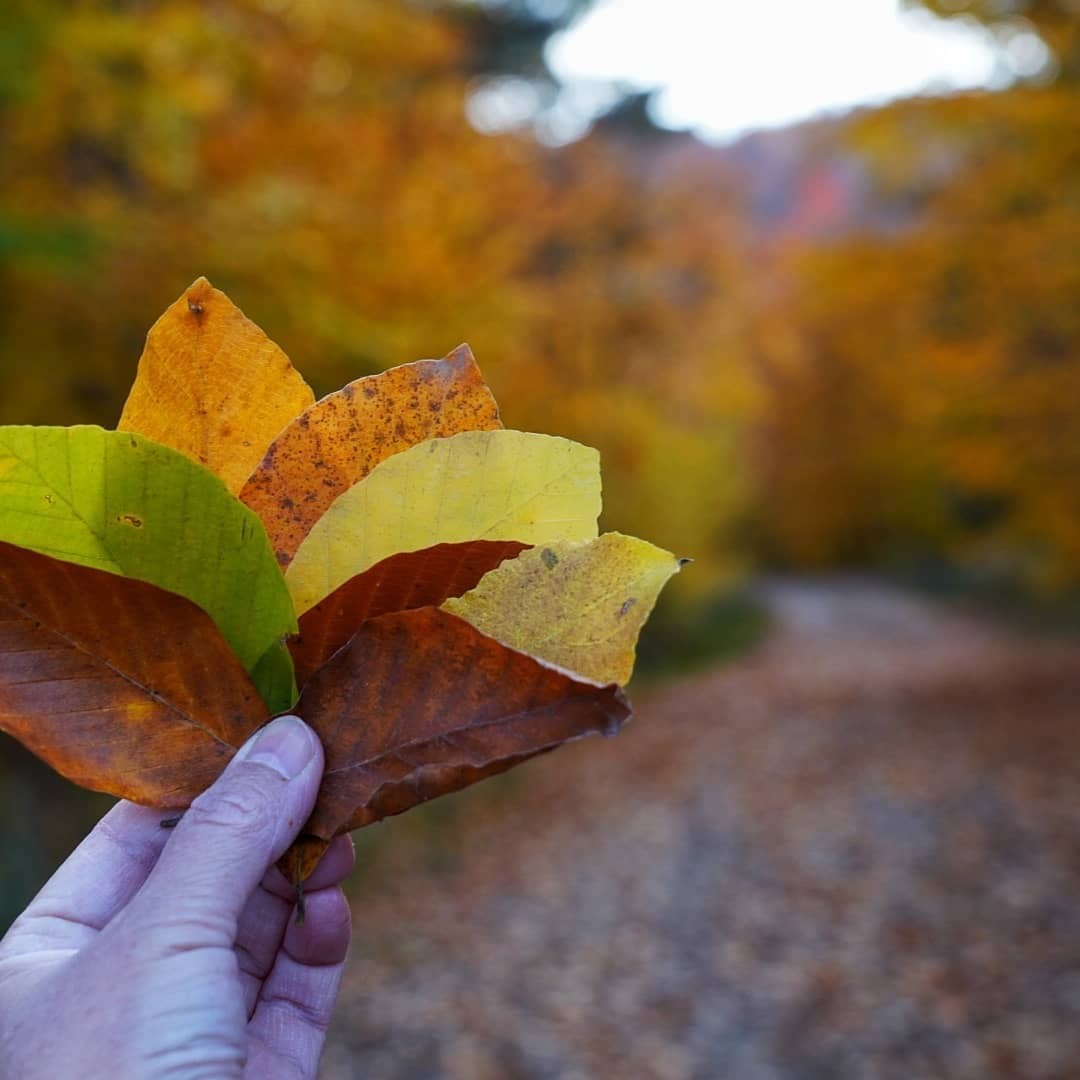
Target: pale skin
point(173, 953)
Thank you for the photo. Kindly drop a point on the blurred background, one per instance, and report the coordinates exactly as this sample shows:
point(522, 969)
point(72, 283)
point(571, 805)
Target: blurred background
point(808, 274)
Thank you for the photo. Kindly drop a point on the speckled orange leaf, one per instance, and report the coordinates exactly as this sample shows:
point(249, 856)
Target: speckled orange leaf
point(420, 704)
point(212, 385)
point(341, 438)
point(120, 686)
point(411, 579)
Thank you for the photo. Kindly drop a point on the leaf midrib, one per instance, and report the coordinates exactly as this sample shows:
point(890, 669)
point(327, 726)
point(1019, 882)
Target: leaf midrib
point(165, 702)
point(463, 730)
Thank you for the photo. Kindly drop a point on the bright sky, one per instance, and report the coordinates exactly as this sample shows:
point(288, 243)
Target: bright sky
point(723, 67)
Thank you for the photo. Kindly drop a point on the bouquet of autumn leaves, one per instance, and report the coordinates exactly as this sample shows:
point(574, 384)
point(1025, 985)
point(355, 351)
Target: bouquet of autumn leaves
point(426, 589)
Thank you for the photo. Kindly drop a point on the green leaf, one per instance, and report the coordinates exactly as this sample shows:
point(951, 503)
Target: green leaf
point(121, 503)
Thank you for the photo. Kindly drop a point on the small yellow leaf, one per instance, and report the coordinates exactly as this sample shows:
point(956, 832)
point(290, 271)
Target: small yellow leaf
point(479, 485)
point(580, 605)
point(212, 385)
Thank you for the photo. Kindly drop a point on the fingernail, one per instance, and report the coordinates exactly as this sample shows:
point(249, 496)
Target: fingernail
point(285, 745)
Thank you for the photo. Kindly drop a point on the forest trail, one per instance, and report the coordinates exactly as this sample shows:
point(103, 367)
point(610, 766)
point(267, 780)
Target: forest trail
point(854, 853)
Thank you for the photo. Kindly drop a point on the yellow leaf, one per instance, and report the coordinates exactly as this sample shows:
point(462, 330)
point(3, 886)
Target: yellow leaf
point(212, 385)
point(479, 485)
point(580, 605)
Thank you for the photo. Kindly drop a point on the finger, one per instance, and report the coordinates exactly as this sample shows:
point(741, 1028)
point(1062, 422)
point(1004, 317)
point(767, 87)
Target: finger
point(335, 865)
point(231, 835)
point(298, 998)
point(268, 910)
point(96, 881)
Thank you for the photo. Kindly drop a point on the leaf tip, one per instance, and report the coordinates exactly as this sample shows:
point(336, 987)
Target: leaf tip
point(196, 295)
point(462, 354)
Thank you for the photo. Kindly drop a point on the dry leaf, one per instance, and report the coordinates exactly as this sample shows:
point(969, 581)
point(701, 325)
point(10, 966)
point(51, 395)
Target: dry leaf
point(212, 385)
point(420, 704)
point(408, 580)
point(340, 439)
point(580, 605)
point(120, 686)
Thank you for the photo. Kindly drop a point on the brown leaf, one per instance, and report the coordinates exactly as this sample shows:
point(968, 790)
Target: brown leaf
point(411, 579)
point(120, 686)
point(341, 438)
point(212, 385)
point(420, 704)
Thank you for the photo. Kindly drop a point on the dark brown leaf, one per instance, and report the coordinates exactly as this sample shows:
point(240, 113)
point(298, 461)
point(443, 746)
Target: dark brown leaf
point(420, 704)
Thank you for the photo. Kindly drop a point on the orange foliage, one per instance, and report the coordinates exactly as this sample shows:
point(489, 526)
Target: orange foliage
point(926, 396)
point(908, 381)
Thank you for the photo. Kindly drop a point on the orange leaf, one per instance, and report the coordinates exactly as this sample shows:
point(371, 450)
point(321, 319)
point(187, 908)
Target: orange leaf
point(212, 385)
point(412, 579)
point(420, 704)
point(341, 438)
point(120, 686)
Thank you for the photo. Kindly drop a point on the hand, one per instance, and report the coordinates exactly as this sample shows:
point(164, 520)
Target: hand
point(158, 953)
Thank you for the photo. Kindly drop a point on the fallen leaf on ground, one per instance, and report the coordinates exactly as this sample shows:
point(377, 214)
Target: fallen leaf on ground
point(212, 385)
point(480, 485)
point(341, 438)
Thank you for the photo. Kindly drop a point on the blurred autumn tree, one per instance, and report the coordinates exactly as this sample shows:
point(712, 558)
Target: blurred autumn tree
point(908, 376)
point(315, 160)
point(923, 363)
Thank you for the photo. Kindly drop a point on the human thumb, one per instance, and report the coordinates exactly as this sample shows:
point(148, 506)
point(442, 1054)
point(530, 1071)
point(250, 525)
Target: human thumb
point(237, 829)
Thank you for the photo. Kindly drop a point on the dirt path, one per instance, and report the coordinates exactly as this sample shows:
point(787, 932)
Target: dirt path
point(853, 854)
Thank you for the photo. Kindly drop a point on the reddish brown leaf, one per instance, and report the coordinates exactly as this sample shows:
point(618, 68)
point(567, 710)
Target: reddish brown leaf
point(412, 579)
point(420, 704)
point(341, 438)
point(120, 686)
